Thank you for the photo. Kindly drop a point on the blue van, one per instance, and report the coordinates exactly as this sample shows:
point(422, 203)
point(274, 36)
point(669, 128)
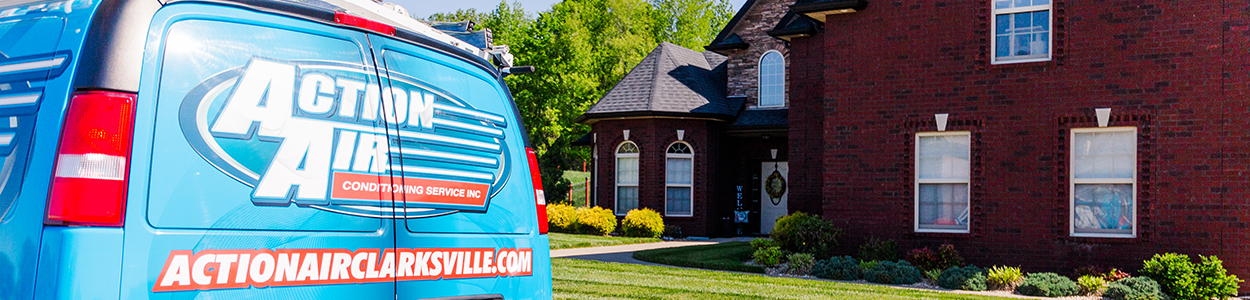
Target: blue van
point(259, 149)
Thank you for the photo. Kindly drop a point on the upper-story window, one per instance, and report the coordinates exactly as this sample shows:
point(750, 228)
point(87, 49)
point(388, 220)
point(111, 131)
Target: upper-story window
point(1021, 31)
point(942, 180)
point(772, 79)
point(626, 177)
point(678, 180)
point(1103, 187)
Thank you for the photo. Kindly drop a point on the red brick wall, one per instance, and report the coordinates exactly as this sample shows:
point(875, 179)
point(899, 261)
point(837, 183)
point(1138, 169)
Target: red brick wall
point(653, 136)
point(1176, 70)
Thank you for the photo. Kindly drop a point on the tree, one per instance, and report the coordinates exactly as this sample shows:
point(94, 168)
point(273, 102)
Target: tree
point(691, 23)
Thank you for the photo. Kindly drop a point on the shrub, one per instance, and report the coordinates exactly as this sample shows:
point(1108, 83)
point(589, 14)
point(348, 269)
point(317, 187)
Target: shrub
point(800, 263)
point(868, 264)
point(804, 233)
point(945, 258)
point(561, 218)
point(889, 272)
point(933, 275)
point(643, 223)
point(967, 278)
point(1180, 278)
point(876, 249)
point(595, 220)
point(1048, 285)
point(838, 268)
point(1114, 275)
point(1004, 278)
point(763, 243)
point(1136, 288)
point(770, 256)
point(1091, 285)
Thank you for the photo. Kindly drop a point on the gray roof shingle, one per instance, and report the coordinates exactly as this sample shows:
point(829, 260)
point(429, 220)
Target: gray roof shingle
point(671, 80)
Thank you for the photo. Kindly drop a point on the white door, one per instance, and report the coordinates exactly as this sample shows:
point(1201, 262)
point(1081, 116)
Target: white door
point(774, 180)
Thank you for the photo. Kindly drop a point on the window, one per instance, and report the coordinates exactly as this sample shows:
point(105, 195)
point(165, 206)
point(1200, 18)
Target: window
point(1021, 31)
point(678, 180)
point(1104, 182)
point(942, 173)
point(772, 79)
point(626, 178)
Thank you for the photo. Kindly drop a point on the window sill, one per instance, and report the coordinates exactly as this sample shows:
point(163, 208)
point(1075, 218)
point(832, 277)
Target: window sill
point(679, 216)
point(1020, 61)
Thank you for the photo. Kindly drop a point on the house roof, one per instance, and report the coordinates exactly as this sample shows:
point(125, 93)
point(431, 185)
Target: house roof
point(671, 81)
point(794, 25)
point(818, 9)
point(752, 119)
point(726, 39)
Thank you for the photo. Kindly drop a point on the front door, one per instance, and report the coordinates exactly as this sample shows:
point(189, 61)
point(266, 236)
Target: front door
point(774, 189)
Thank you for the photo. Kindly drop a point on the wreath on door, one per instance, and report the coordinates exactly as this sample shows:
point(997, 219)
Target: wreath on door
point(775, 186)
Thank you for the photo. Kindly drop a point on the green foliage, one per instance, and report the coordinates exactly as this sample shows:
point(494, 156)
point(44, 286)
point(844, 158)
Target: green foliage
point(933, 275)
point(804, 233)
point(763, 243)
point(1182, 279)
point(595, 220)
point(1048, 285)
point(888, 272)
point(868, 264)
point(1136, 288)
point(800, 263)
point(1003, 277)
point(944, 258)
point(561, 218)
point(724, 256)
point(690, 23)
point(770, 256)
point(838, 268)
point(968, 278)
point(1091, 284)
point(642, 223)
point(876, 249)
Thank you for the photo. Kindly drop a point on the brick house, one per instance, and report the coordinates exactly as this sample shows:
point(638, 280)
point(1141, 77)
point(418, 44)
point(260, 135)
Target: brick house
point(1047, 134)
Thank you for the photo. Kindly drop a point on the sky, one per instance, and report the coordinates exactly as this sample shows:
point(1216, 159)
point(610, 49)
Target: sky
point(424, 8)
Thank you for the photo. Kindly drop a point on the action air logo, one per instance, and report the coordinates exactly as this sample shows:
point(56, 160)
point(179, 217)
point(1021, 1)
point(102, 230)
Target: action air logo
point(346, 138)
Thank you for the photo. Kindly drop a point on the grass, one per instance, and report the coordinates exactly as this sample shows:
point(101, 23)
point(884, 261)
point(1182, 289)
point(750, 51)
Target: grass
point(724, 256)
point(582, 279)
point(566, 241)
point(576, 176)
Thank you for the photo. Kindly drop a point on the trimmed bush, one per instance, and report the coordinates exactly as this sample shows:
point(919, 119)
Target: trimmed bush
point(595, 220)
point(968, 278)
point(770, 256)
point(933, 275)
point(944, 258)
point(838, 268)
point(561, 218)
point(876, 249)
point(1003, 278)
point(804, 233)
point(800, 263)
point(643, 223)
point(1180, 278)
point(888, 272)
point(1091, 285)
point(763, 243)
point(1048, 285)
point(1136, 288)
point(868, 264)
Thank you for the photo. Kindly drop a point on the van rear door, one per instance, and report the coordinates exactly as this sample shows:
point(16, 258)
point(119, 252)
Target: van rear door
point(242, 117)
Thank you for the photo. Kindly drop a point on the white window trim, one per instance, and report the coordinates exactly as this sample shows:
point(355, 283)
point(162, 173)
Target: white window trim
point(690, 185)
point(1072, 182)
point(759, 78)
point(1050, 47)
point(917, 181)
point(616, 191)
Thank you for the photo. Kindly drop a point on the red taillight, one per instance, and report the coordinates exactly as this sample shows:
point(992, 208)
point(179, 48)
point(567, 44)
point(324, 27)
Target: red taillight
point(92, 163)
point(539, 199)
point(350, 20)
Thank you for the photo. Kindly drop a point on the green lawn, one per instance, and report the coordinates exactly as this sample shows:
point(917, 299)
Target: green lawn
point(582, 279)
point(565, 241)
point(724, 256)
point(576, 176)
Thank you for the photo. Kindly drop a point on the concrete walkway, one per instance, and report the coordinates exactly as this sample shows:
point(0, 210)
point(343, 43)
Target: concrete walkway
point(623, 253)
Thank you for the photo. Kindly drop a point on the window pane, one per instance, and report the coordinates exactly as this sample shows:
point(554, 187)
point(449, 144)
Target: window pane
point(1103, 208)
point(772, 80)
point(1002, 23)
point(943, 157)
point(678, 171)
point(1027, 34)
point(627, 170)
point(944, 206)
point(626, 199)
point(678, 201)
point(1104, 154)
point(1001, 4)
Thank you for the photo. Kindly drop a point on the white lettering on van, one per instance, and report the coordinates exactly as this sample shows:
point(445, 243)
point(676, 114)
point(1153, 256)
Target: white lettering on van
point(263, 95)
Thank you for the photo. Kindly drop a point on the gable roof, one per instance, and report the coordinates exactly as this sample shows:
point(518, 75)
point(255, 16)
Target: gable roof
point(726, 39)
point(670, 81)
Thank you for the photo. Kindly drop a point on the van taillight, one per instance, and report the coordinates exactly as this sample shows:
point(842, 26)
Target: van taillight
point(539, 198)
point(351, 20)
point(92, 162)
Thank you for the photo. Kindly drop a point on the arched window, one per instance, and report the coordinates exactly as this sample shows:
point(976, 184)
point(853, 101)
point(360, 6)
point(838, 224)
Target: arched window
point(678, 180)
point(772, 79)
point(626, 177)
